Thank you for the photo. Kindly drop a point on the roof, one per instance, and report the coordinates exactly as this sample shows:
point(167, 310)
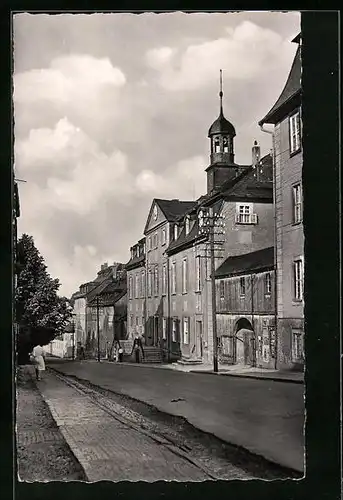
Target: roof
point(290, 92)
point(184, 239)
point(222, 126)
point(241, 264)
point(135, 262)
point(174, 209)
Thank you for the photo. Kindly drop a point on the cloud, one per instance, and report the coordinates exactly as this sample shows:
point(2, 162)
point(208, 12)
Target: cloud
point(69, 77)
point(158, 58)
point(246, 52)
point(77, 174)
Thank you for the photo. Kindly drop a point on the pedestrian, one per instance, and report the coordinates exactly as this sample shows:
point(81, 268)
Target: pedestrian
point(120, 353)
point(37, 357)
point(82, 353)
point(137, 348)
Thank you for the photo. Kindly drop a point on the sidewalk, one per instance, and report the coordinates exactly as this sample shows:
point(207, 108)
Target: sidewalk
point(229, 370)
point(264, 416)
point(108, 449)
point(42, 453)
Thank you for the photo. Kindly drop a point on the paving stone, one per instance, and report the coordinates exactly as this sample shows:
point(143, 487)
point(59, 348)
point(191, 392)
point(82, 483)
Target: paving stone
point(38, 436)
point(108, 449)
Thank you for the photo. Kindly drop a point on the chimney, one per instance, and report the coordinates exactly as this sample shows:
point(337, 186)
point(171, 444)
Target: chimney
point(256, 154)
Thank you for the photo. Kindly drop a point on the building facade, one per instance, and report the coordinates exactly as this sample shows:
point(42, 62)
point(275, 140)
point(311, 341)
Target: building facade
point(136, 290)
point(245, 305)
point(285, 115)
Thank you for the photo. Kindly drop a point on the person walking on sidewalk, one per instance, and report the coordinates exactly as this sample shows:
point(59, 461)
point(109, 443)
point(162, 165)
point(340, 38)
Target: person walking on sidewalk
point(137, 348)
point(37, 358)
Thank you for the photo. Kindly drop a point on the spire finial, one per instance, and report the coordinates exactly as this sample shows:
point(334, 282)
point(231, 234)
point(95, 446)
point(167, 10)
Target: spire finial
point(221, 91)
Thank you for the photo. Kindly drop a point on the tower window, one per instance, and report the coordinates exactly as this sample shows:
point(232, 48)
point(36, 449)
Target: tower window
point(225, 145)
point(216, 145)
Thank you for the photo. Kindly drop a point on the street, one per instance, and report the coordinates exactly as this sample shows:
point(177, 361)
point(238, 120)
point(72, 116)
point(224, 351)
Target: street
point(262, 416)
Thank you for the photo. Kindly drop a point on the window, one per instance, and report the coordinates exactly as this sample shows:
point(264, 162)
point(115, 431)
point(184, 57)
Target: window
point(164, 328)
point(297, 345)
point(149, 243)
point(164, 236)
point(156, 287)
point(184, 276)
point(155, 240)
point(294, 132)
point(173, 278)
point(245, 215)
point(137, 251)
point(297, 203)
point(137, 286)
point(174, 326)
point(298, 279)
point(198, 274)
point(216, 145)
point(131, 321)
point(222, 290)
point(242, 286)
point(175, 231)
point(150, 283)
point(130, 287)
point(164, 279)
point(143, 284)
point(137, 321)
point(267, 284)
point(225, 145)
point(186, 330)
point(187, 225)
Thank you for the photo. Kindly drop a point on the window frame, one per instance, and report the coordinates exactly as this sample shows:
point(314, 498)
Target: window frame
point(164, 328)
point(298, 297)
point(150, 283)
point(174, 329)
point(222, 290)
point(164, 279)
point(184, 275)
point(268, 284)
point(173, 278)
point(156, 281)
point(297, 206)
point(164, 236)
point(296, 355)
point(130, 288)
point(185, 331)
point(198, 274)
point(294, 132)
point(242, 286)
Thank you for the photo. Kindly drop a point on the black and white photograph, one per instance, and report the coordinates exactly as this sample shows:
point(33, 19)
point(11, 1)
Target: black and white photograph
point(158, 246)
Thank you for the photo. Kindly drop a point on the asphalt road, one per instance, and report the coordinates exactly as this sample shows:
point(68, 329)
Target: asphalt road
point(266, 417)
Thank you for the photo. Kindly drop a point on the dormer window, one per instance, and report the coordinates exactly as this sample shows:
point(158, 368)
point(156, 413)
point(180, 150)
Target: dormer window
point(131, 253)
point(137, 251)
point(187, 225)
point(175, 231)
point(225, 145)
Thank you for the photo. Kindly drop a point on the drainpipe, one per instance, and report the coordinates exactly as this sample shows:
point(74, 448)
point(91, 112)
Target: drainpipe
point(169, 339)
point(271, 132)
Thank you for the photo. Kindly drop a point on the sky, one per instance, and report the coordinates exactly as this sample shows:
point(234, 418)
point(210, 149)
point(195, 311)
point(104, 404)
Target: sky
point(113, 110)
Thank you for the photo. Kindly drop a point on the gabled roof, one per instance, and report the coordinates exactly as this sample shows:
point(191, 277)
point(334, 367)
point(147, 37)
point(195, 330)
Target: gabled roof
point(259, 260)
point(173, 209)
point(290, 93)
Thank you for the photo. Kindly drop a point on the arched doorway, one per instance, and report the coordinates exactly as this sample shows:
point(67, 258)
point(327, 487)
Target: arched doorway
point(244, 343)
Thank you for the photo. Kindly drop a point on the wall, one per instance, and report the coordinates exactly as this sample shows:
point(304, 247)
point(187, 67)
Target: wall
point(190, 304)
point(79, 311)
point(136, 304)
point(289, 245)
point(246, 238)
point(157, 303)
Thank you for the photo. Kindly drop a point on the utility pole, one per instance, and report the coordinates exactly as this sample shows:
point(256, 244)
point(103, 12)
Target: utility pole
point(213, 290)
point(97, 326)
point(208, 222)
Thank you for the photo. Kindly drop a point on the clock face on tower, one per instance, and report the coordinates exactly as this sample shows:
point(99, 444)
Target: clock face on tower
point(155, 212)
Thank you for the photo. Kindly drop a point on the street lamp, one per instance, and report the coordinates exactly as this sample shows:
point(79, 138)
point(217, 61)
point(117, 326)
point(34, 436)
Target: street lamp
point(73, 336)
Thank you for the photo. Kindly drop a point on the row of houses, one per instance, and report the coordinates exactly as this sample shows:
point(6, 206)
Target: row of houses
point(164, 292)
point(259, 264)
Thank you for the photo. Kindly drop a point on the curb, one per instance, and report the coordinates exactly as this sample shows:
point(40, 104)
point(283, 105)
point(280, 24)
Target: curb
point(204, 372)
point(246, 375)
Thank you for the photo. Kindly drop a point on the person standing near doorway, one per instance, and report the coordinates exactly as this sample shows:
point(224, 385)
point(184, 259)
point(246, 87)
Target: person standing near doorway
point(137, 348)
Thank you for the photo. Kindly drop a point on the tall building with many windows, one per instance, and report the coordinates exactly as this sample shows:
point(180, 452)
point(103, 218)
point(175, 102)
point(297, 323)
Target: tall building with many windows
point(285, 115)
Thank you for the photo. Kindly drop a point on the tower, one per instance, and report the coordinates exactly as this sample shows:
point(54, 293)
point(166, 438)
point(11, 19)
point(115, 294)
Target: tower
point(221, 134)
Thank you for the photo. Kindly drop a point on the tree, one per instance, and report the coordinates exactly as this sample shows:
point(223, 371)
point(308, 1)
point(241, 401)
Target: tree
point(40, 313)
